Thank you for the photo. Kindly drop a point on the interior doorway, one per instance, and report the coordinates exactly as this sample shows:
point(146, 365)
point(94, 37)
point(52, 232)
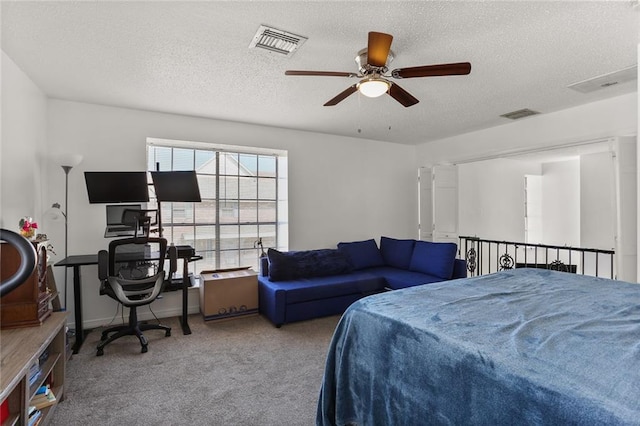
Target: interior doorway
point(582, 195)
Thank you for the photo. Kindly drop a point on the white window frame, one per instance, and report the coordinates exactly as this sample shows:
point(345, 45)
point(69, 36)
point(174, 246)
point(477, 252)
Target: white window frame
point(217, 255)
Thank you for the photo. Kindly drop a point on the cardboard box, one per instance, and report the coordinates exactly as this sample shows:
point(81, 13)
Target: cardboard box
point(228, 293)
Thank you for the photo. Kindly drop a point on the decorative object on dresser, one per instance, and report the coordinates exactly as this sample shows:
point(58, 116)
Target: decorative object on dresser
point(28, 227)
point(28, 304)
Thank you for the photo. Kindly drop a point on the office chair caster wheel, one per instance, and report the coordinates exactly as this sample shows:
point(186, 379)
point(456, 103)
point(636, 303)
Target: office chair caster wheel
point(144, 349)
point(100, 352)
point(167, 333)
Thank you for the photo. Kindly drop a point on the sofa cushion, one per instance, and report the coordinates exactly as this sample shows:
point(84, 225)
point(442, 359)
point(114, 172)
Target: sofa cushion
point(284, 266)
point(362, 254)
point(319, 288)
point(433, 258)
point(397, 253)
point(401, 278)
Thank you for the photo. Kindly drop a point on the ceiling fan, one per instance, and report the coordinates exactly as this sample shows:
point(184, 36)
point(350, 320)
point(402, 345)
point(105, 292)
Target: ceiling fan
point(373, 61)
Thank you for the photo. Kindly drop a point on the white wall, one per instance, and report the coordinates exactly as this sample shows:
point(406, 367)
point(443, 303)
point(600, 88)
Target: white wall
point(597, 201)
point(340, 189)
point(491, 198)
point(561, 203)
point(626, 166)
point(23, 147)
point(617, 116)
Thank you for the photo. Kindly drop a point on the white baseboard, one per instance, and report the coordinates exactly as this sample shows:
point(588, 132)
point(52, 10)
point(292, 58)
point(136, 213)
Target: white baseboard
point(144, 314)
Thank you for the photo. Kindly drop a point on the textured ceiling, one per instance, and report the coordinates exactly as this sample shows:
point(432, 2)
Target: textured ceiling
point(193, 58)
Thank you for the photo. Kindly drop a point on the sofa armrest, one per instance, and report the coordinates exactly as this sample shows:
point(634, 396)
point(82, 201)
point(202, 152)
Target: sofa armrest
point(271, 301)
point(264, 266)
point(459, 269)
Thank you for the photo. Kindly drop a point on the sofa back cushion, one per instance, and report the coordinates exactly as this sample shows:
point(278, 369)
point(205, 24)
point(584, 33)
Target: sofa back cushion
point(435, 259)
point(397, 253)
point(285, 266)
point(362, 254)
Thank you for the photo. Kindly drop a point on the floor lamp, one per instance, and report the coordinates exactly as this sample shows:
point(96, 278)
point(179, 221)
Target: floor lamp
point(67, 163)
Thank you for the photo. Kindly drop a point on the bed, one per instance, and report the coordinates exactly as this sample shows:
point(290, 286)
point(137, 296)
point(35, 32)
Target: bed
point(526, 346)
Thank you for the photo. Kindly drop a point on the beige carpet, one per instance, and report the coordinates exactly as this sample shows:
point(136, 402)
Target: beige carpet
point(239, 372)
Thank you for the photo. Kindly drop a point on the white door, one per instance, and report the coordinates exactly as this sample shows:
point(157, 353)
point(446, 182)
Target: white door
point(439, 204)
point(425, 204)
point(445, 203)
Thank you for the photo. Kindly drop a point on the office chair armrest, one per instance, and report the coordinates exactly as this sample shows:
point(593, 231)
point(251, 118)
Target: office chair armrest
point(103, 264)
point(173, 260)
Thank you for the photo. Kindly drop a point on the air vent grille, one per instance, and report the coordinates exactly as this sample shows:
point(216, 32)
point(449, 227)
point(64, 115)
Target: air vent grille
point(275, 40)
point(606, 80)
point(521, 113)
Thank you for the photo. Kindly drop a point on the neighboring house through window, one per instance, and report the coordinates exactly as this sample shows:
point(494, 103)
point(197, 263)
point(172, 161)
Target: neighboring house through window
point(244, 200)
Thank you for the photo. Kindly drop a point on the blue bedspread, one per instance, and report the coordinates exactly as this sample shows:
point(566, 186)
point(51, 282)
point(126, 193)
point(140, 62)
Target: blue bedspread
point(518, 347)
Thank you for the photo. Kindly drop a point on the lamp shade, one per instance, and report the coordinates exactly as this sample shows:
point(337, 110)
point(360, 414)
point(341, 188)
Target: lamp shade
point(373, 88)
point(68, 160)
point(55, 213)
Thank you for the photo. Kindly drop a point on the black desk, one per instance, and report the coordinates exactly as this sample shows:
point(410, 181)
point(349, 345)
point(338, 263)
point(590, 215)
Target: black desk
point(77, 261)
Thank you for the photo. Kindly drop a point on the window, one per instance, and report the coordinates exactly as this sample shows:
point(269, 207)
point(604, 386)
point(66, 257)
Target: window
point(243, 201)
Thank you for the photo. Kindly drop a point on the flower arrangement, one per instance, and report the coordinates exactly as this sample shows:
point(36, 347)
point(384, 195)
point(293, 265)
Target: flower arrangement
point(28, 227)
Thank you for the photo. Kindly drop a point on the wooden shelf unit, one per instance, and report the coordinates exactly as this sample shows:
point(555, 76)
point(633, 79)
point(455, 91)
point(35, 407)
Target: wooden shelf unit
point(21, 348)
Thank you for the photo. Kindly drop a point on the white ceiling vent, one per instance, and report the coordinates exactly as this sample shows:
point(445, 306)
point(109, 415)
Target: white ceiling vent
point(521, 113)
point(606, 80)
point(276, 40)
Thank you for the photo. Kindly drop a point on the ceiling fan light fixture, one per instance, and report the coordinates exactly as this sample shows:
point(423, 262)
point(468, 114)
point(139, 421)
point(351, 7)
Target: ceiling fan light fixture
point(373, 88)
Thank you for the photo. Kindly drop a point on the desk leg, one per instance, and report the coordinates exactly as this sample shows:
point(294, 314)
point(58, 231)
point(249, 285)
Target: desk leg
point(185, 297)
point(77, 306)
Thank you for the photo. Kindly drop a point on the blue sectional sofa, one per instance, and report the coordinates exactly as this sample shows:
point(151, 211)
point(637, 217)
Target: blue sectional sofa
point(301, 285)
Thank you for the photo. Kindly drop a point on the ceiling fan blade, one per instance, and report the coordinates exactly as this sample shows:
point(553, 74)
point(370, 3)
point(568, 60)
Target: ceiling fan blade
point(342, 95)
point(401, 95)
point(321, 73)
point(459, 68)
point(378, 48)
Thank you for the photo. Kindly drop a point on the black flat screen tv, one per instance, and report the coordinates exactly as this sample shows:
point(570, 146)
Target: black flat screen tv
point(176, 186)
point(117, 187)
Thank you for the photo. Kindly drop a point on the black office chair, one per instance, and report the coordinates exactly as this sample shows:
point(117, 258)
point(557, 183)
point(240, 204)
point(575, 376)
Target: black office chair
point(141, 220)
point(134, 278)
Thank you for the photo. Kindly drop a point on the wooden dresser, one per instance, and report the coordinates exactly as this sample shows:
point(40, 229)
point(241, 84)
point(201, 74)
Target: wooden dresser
point(27, 305)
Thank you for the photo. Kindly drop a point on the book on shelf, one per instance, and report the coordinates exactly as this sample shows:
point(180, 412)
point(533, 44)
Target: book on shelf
point(34, 373)
point(34, 416)
point(34, 377)
point(44, 356)
point(4, 410)
point(44, 389)
point(43, 400)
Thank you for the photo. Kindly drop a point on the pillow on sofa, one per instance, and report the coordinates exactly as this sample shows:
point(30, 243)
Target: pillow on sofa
point(284, 266)
point(397, 253)
point(362, 254)
point(435, 259)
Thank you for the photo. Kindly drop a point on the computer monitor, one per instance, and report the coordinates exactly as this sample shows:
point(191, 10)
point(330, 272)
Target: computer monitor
point(117, 187)
point(115, 213)
point(176, 186)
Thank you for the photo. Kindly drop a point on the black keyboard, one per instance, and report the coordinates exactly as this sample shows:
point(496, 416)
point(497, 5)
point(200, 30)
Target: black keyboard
point(119, 231)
